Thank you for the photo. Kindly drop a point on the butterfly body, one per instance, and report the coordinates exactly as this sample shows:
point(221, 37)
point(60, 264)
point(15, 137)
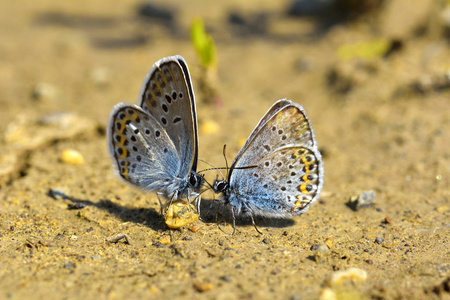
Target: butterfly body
point(279, 171)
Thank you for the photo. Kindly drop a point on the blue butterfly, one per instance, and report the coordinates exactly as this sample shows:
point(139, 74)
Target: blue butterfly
point(153, 145)
point(279, 170)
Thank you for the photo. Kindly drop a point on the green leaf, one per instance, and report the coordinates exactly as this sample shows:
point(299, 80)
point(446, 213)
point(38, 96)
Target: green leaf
point(204, 45)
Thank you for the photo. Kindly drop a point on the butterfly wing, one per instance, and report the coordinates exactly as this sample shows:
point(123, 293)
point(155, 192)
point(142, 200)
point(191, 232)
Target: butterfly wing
point(284, 123)
point(168, 96)
point(268, 188)
point(142, 151)
point(283, 183)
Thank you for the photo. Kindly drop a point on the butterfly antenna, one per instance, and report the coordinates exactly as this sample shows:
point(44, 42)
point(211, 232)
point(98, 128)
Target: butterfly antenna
point(213, 168)
point(225, 157)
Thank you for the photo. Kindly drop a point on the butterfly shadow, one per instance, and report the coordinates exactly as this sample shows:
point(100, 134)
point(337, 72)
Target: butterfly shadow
point(212, 211)
point(148, 216)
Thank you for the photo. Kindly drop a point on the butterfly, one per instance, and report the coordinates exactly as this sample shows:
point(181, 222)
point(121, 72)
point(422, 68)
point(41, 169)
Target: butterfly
point(279, 170)
point(154, 145)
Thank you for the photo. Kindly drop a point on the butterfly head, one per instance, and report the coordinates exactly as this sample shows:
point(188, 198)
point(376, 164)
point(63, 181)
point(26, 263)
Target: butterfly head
point(196, 181)
point(220, 186)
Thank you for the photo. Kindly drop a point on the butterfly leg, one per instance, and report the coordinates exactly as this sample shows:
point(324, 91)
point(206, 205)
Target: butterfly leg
point(254, 224)
point(209, 208)
point(234, 220)
point(160, 203)
point(174, 196)
point(198, 200)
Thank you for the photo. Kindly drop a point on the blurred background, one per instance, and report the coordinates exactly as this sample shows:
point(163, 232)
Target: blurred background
point(372, 75)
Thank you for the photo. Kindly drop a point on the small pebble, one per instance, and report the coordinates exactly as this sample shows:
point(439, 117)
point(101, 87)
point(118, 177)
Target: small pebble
point(369, 261)
point(314, 247)
point(57, 193)
point(194, 228)
point(203, 286)
point(266, 241)
point(95, 256)
point(225, 278)
point(165, 240)
point(353, 274)
point(364, 200)
point(179, 214)
point(238, 266)
point(44, 91)
point(387, 220)
point(72, 157)
point(379, 240)
point(322, 252)
point(327, 294)
point(329, 242)
point(74, 237)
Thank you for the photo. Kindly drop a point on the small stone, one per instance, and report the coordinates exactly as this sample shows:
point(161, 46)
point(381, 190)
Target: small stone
point(44, 91)
point(203, 286)
point(179, 214)
point(57, 193)
point(387, 220)
point(194, 228)
point(322, 252)
point(115, 239)
point(314, 247)
point(74, 237)
point(225, 278)
point(353, 274)
point(364, 200)
point(266, 241)
point(165, 240)
point(327, 294)
point(95, 256)
point(369, 261)
point(379, 240)
point(72, 157)
point(329, 242)
point(238, 266)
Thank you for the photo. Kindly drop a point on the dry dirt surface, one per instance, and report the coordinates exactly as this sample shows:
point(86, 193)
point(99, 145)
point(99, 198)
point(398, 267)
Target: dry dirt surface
point(381, 119)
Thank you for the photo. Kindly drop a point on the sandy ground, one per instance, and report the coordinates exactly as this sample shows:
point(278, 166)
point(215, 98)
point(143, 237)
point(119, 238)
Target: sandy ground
point(381, 123)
